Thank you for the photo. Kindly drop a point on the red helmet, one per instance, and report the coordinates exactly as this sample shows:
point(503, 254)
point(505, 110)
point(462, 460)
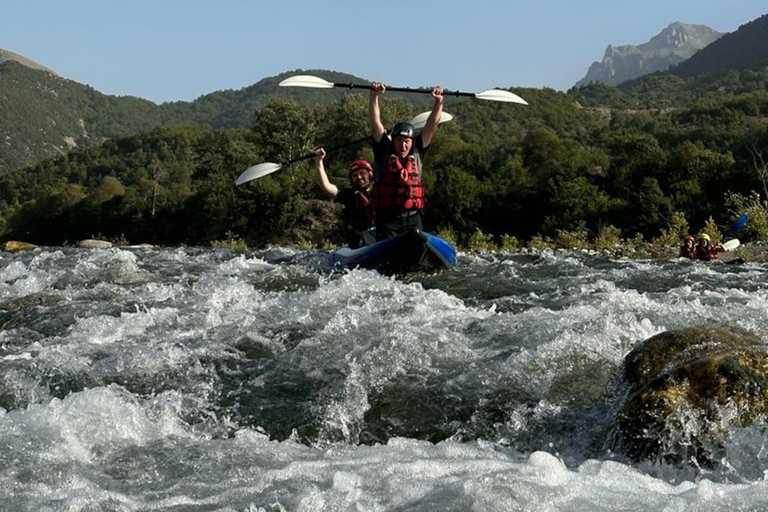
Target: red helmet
point(690, 237)
point(360, 164)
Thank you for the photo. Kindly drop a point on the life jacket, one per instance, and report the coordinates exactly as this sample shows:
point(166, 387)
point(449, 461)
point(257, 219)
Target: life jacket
point(708, 254)
point(358, 213)
point(400, 188)
point(685, 252)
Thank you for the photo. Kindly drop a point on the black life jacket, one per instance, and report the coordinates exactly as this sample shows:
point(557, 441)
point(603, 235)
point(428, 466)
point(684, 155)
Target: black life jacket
point(401, 186)
point(359, 213)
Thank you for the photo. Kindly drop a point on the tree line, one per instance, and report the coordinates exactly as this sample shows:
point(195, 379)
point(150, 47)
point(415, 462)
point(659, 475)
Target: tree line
point(592, 159)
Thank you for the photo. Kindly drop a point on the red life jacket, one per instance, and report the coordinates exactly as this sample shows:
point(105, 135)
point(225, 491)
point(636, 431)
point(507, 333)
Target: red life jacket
point(707, 254)
point(401, 186)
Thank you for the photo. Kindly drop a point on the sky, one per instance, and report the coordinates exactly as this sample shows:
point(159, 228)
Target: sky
point(178, 50)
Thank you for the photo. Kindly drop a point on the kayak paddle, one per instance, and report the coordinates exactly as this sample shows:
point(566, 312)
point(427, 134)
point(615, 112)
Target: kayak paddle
point(730, 245)
point(259, 170)
point(740, 223)
point(319, 83)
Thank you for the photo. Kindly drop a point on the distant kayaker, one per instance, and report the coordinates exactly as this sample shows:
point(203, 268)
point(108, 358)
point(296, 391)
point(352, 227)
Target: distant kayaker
point(398, 192)
point(688, 249)
point(706, 251)
point(358, 211)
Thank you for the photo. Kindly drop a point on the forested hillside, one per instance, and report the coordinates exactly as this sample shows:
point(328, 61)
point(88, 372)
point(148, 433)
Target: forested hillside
point(45, 115)
point(655, 157)
point(746, 48)
point(505, 169)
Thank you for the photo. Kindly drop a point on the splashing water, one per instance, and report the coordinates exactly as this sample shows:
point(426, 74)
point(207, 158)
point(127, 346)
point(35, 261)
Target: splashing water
point(194, 379)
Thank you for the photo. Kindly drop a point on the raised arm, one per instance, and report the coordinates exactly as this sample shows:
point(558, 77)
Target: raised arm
point(322, 178)
point(434, 117)
point(374, 111)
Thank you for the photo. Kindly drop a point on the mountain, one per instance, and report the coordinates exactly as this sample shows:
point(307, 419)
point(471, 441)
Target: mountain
point(46, 115)
point(7, 55)
point(674, 44)
point(746, 48)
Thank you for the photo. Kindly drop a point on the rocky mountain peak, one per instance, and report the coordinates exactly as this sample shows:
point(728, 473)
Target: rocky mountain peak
point(674, 44)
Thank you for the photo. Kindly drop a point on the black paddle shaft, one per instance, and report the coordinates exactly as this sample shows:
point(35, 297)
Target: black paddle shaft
point(334, 148)
point(405, 89)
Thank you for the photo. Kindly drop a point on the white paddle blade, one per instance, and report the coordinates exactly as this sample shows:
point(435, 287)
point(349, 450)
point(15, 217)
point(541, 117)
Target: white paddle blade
point(256, 171)
point(498, 95)
point(306, 81)
point(731, 244)
point(420, 120)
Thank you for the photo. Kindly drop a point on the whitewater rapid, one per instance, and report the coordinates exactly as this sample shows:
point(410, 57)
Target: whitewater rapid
point(201, 379)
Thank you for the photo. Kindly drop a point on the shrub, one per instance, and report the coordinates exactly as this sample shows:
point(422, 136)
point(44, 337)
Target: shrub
point(232, 242)
point(540, 243)
point(609, 237)
point(510, 243)
point(448, 234)
point(757, 226)
point(712, 230)
point(678, 228)
point(480, 242)
point(574, 240)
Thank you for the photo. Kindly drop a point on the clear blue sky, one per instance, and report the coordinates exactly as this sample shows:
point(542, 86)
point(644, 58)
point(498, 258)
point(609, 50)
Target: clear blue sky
point(165, 50)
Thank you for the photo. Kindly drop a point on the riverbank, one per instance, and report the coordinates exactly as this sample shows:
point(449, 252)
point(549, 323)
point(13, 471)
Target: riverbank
point(753, 252)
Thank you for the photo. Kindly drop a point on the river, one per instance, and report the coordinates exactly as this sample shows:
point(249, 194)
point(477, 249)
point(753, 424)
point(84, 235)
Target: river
point(188, 379)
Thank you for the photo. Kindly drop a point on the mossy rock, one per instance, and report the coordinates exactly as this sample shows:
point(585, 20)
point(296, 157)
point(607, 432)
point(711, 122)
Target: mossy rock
point(686, 390)
point(649, 358)
point(15, 246)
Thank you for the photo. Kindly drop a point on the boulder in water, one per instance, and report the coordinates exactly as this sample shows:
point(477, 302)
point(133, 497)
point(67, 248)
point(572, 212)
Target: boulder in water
point(94, 244)
point(14, 246)
point(686, 390)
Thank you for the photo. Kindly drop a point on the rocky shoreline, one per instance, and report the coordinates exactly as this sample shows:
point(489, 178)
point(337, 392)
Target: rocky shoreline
point(752, 252)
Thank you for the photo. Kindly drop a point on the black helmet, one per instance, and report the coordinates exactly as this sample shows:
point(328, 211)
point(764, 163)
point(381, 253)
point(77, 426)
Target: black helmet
point(403, 128)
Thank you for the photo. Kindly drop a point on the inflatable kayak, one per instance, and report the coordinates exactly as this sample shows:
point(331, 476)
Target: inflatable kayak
point(412, 251)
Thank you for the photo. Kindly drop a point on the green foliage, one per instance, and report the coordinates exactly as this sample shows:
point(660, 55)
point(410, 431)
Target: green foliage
point(510, 243)
point(592, 164)
point(480, 242)
point(608, 238)
point(757, 210)
point(231, 242)
point(449, 235)
point(744, 49)
point(574, 240)
point(540, 243)
point(45, 115)
point(711, 229)
point(678, 228)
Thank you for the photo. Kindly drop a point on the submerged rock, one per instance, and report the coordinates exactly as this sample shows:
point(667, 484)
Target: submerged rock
point(686, 390)
point(32, 300)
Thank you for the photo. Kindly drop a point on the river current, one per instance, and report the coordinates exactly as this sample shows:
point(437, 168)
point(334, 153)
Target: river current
point(188, 379)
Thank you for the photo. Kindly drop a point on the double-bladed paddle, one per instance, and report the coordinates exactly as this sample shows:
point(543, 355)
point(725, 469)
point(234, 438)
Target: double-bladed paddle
point(259, 170)
point(319, 83)
point(740, 223)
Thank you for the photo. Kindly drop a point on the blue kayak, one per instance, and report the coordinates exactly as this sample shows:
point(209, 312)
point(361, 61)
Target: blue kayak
point(412, 251)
